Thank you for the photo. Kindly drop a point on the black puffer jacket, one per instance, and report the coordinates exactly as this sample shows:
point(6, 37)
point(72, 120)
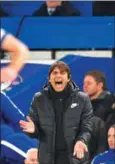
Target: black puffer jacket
point(76, 123)
point(98, 142)
point(103, 104)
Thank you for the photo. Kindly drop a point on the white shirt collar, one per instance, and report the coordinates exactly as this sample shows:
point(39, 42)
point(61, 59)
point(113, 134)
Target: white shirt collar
point(50, 10)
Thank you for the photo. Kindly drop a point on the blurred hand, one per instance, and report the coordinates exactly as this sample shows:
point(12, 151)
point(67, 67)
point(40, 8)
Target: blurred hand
point(8, 74)
point(79, 149)
point(27, 126)
point(32, 156)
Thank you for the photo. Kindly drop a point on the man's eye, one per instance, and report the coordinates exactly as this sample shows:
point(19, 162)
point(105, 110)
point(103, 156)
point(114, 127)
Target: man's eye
point(62, 73)
point(88, 83)
point(54, 73)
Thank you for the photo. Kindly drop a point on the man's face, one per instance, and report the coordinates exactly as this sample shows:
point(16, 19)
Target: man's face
point(53, 4)
point(90, 86)
point(111, 138)
point(58, 79)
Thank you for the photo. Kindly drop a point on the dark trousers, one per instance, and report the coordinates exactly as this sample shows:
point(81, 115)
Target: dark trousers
point(61, 157)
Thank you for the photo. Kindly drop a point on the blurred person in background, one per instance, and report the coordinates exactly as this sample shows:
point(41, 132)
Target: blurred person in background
point(60, 116)
point(10, 114)
point(109, 155)
point(19, 55)
point(56, 8)
point(102, 101)
point(101, 98)
point(14, 143)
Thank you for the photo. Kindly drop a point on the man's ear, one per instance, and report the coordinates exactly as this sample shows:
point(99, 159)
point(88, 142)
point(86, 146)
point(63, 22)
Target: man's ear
point(68, 80)
point(100, 85)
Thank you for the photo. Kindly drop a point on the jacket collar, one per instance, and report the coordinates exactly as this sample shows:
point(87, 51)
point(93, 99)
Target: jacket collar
point(70, 89)
point(104, 94)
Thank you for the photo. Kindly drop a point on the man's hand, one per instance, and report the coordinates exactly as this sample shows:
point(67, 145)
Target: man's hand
point(79, 149)
point(27, 126)
point(32, 156)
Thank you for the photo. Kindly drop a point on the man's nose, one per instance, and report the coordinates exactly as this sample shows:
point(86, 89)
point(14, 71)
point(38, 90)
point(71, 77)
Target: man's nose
point(111, 140)
point(58, 74)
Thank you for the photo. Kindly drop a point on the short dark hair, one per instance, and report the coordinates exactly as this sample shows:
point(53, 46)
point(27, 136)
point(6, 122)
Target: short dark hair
point(98, 76)
point(112, 126)
point(62, 66)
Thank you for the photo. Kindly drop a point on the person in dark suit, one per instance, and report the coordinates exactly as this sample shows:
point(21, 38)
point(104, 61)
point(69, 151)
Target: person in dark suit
point(56, 8)
point(104, 8)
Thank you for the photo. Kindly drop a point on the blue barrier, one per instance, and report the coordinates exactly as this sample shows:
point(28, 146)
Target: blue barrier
point(68, 33)
point(64, 33)
point(10, 24)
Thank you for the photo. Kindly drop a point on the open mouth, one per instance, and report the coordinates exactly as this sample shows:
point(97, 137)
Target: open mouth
point(58, 82)
point(59, 85)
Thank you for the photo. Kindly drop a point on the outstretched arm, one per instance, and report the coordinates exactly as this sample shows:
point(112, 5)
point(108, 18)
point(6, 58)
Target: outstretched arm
point(19, 54)
point(32, 125)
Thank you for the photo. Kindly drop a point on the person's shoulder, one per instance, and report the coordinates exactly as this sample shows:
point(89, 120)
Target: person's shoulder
point(70, 9)
point(37, 95)
point(109, 98)
point(40, 94)
point(82, 95)
point(76, 91)
point(41, 11)
point(99, 157)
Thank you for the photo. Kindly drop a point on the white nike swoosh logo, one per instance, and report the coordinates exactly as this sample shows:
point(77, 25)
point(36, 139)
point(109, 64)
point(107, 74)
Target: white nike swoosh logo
point(74, 105)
